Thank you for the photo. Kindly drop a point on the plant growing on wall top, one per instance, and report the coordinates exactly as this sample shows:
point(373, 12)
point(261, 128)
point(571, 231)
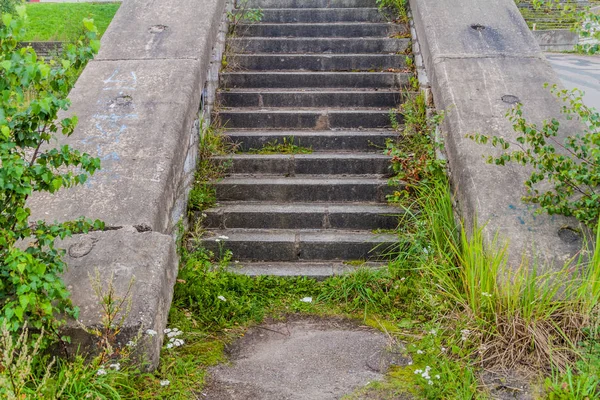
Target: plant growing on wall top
point(566, 175)
point(32, 92)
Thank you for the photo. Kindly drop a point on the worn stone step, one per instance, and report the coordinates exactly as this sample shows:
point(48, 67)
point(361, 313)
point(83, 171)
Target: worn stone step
point(340, 29)
point(294, 80)
point(293, 245)
point(310, 98)
point(310, 269)
point(321, 15)
point(304, 188)
point(317, 45)
point(373, 141)
point(311, 3)
point(306, 164)
point(318, 119)
point(317, 62)
point(359, 216)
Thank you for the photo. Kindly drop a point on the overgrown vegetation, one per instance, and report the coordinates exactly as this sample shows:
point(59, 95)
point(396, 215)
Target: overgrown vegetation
point(33, 92)
point(570, 14)
point(212, 143)
point(396, 10)
point(566, 174)
point(62, 22)
point(414, 160)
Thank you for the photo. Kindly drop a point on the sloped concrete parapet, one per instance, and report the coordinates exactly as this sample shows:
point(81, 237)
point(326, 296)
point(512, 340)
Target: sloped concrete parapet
point(138, 104)
point(141, 267)
point(481, 58)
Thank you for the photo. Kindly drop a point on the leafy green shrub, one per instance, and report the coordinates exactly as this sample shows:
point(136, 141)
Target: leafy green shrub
point(9, 6)
point(571, 169)
point(32, 94)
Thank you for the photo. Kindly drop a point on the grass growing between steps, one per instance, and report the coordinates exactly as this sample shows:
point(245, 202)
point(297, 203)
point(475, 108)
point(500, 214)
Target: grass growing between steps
point(286, 147)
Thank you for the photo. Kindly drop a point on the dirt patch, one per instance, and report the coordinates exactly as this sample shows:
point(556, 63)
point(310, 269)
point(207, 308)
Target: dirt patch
point(302, 359)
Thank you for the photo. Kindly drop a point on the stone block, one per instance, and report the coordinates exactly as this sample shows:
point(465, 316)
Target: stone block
point(481, 59)
point(149, 258)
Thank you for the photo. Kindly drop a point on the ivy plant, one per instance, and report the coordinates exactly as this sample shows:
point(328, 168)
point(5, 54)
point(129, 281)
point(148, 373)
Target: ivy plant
point(32, 92)
point(566, 174)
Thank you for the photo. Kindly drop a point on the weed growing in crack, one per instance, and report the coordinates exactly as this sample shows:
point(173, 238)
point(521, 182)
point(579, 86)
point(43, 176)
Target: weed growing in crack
point(288, 146)
point(213, 142)
point(395, 10)
point(414, 160)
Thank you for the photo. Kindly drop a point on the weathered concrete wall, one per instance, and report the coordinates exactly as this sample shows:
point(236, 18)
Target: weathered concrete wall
point(137, 104)
point(556, 39)
point(478, 55)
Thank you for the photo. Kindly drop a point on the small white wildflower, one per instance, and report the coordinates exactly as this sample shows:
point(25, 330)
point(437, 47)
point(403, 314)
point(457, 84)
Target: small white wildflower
point(409, 363)
point(101, 371)
point(151, 332)
point(222, 298)
point(174, 333)
point(425, 250)
point(418, 371)
point(131, 343)
point(437, 377)
point(204, 215)
point(223, 237)
point(306, 300)
point(178, 342)
point(430, 382)
point(236, 261)
point(167, 331)
point(217, 240)
point(169, 345)
point(166, 382)
point(465, 334)
point(444, 349)
point(115, 366)
point(486, 294)
point(433, 332)
point(402, 279)
point(419, 351)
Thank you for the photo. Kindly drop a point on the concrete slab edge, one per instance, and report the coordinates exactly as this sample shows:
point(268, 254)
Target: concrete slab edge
point(475, 53)
point(139, 105)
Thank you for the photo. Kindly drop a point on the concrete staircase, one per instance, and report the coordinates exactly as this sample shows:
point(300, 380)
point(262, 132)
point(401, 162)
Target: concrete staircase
point(322, 74)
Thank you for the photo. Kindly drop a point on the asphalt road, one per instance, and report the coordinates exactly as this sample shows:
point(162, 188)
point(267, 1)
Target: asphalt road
point(581, 72)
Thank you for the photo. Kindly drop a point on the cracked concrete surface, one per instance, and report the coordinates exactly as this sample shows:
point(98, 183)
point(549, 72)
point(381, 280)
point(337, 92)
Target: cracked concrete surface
point(303, 359)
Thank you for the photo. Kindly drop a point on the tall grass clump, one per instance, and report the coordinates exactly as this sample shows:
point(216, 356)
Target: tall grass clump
point(526, 315)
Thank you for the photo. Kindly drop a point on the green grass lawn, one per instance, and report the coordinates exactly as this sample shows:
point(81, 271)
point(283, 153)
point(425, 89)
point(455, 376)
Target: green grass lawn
point(62, 21)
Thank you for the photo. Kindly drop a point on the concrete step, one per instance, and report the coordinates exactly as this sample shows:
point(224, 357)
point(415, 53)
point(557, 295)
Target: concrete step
point(318, 119)
point(310, 98)
point(311, 3)
point(365, 141)
point(317, 62)
point(304, 189)
point(340, 29)
point(306, 164)
point(321, 15)
point(311, 269)
point(293, 80)
point(300, 245)
point(317, 45)
point(358, 216)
